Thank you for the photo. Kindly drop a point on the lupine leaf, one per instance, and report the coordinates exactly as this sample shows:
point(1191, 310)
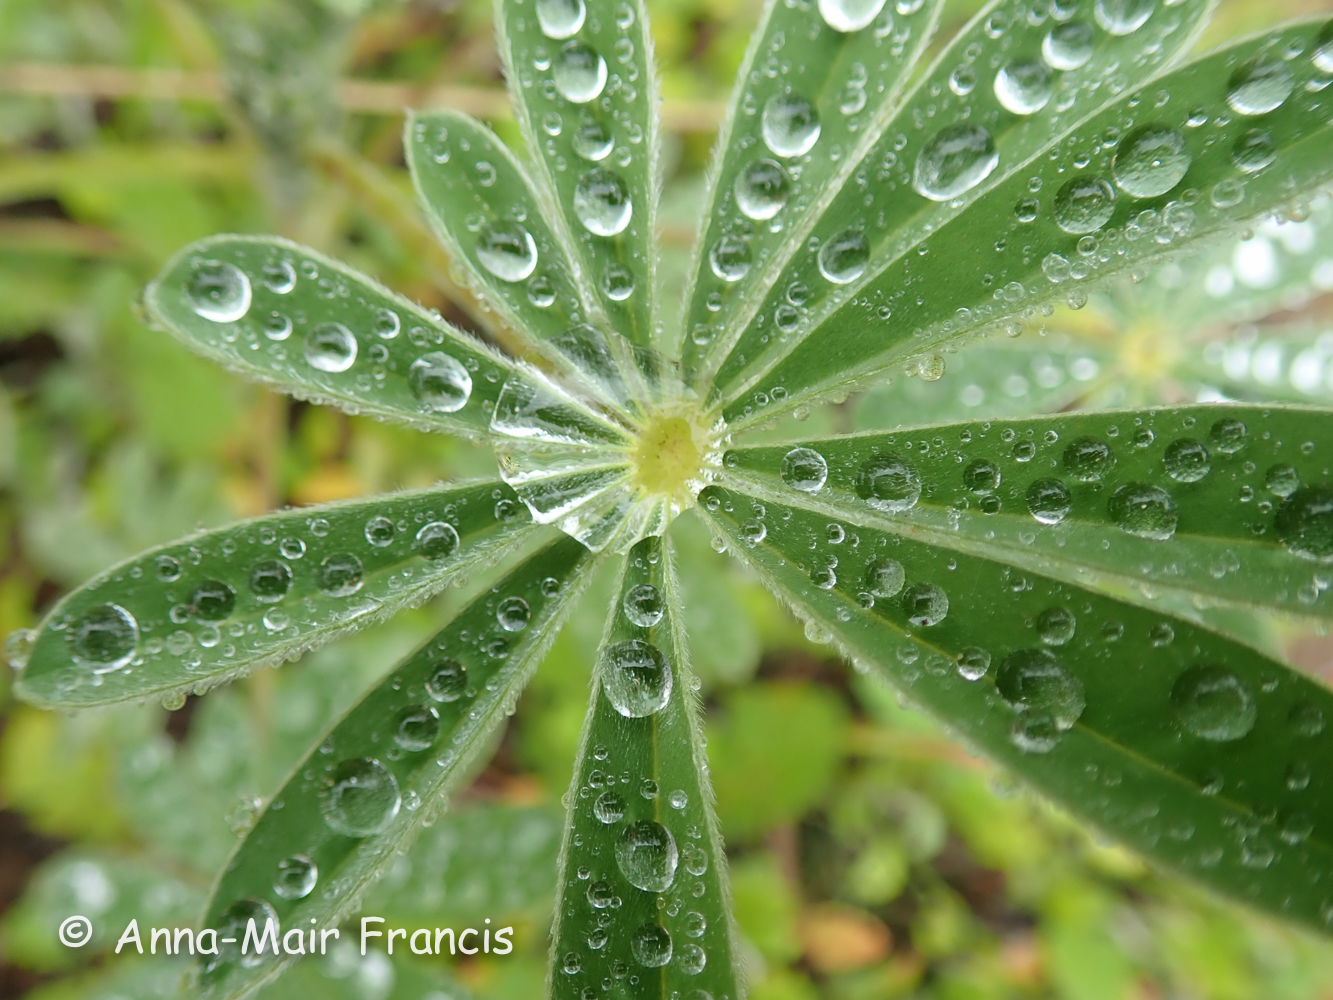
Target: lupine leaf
point(1222, 504)
point(1201, 754)
point(584, 86)
point(363, 792)
point(1175, 183)
point(305, 324)
point(847, 63)
point(202, 610)
point(642, 885)
point(1288, 364)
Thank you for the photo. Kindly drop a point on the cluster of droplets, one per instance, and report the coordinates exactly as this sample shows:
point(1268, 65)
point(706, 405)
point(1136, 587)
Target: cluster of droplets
point(222, 293)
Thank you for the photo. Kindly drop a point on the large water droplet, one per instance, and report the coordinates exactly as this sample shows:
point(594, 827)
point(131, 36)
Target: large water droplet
point(212, 601)
point(981, 477)
point(1150, 161)
point(508, 251)
point(849, 15)
point(646, 855)
point(330, 347)
point(1304, 523)
point(417, 728)
point(436, 541)
point(617, 282)
point(448, 680)
point(1259, 86)
point(644, 606)
point(1088, 459)
point(636, 677)
point(362, 798)
point(790, 125)
point(602, 202)
point(219, 292)
point(1186, 460)
point(1144, 510)
point(270, 580)
point(888, 482)
point(609, 808)
point(560, 18)
point(579, 73)
point(439, 382)
point(925, 604)
point(104, 638)
point(843, 258)
point(379, 531)
point(1055, 626)
point(1068, 46)
point(513, 614)
point(296, 877)
point(762, 188)
point(341, 575)
point(1213, 703)
point(1049, 501)
point(1023, 87)
point(1228, 435)
point(730, 258)
point(955, 160)
point(1034, 682)
point(651, 945)
point(592, 141)
point(1322, 54)
point(1084, 204)
point(885, 577)
point(1123, 17)
point(232, 926)
point(804, 469)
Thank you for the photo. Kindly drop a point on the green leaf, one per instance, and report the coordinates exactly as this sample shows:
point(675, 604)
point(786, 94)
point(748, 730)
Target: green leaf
point(642, 884)
point(1289, 363)
point(1219, 505)
point(1197, 752)
point(298, 321)
point(363, 792)
point(806, 80)
point(904, 304)
point(209, 607)
point(585, 90)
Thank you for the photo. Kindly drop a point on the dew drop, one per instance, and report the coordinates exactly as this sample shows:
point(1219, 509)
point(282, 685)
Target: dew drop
point(609, 808)
point(692, 960)
point(579, 73)
point(1144, 510)
point(955, 160)
point(636, 677)
point(790, 125)
point(387, 324)
point(1186, 460)
point(417, 728)
point(362, 799)
point(279, 277)
point(448, 680)
point(729, 258)
point(592, 141)
point(602, 202)
point(212, 601)
point(1084, 205)
point(560, 18)
point(849, 15)
point(1259, 86)
point(379, 531)
point(508, 251)
point(219, 292)
point(330, 347)
point(1322, 55)
point(513, 614)
point(277, 326)
point(1254, 151)
point(843, 258)
point(981, 477)
point(104, 638)
point(341, 575)
point(973, 663)
point(1068, 46)
point(1055, 626)
point(651, 945)
point(1306, 719)
point(1023, 87)
point(296, 877)
point(804, 469)
point(1049, 501)
point(440, 382)
point(1035, 683)
point(1304, 523)
point(644, 606)
point(436, 541)
point(1228, 435)
point(1150, 161)
point(1088, 459)
point(888, 482)
point(1213, 703)
point(762, 188)
point(1123, 17)
point(646, 855)
point(270, 580)
point(167, 568)
point(925, 604)
point(885, 577)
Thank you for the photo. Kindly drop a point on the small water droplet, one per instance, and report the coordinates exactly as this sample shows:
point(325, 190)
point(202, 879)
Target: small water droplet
point(1049, 501)
point(1023, 87)
point(729, 258)
point(296, 877)
point(644, 606)
point(1088, 459)
point(513, 614)
point(379, 531)
point(925, 604)
point(1037, 684)
point(843, 257)
point(1123, 17)
point(1068, 46)
point(1228, 435)
point(888, 482)
point(981, 477)
point(1144, 510)
point(1055, 626)
point(448, 680)
point(609, 808)
point(1186, 460)
point(212, 601)
point(440, 382)
point(1254, 151)
point(362, 798)
point(417, 728)
point(849, 15)
point(560, 19)
point(973, 663)
point(1084, 204)
point(885, 577)
point(1259, 86)
point(1304, 523)
point(436, 541)
point(651, 945)
point(341, 575)
point(270, 580)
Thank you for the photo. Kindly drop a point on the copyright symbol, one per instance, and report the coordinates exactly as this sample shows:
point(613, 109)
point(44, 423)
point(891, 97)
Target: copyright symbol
point(76, 931)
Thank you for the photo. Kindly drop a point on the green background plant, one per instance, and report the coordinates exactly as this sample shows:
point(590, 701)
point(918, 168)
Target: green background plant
point(884, 862)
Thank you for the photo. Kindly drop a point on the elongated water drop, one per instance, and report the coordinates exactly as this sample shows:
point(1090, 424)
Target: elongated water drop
point(219, 292)
point(636, 677)
point(790, 125)
point(843, 258)
point(646, 855)
point(955, 160)
point(508, 251)
point(762, 188)
point(602, 202)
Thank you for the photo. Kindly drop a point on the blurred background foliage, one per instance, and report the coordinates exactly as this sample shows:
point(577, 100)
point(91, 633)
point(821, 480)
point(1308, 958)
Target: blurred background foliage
point(871, 857)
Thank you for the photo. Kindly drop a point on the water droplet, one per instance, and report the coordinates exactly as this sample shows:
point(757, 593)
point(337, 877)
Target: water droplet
point(330, 347)
point(1322, 55)
point(579, 73)
point(963, 79)
point(1259, 86)
point(973, 663)
point(1049, 501)
point(1296, 829)
point(233, 923)
point(379, 531)
point(18, 647)
point(219, 292)
point(270, 580)
point(436, 540)
point(277, 326)
point(1253, 151)
point(513, 614)
point(1186, 460)
point(212, 601)
point(1306, 719)
point(804, 469)
point(362, 798)
point(292, 548)
point(925, 604)
point(1213, 703)
point(508, 251)
point(1084, 205)
point(753, 532)
point(981, 477)
point(843, 258)
point(592, 141)
point(541, 292)
point(1150, 161)
point(646, 855)
point(955, 160)
point(651, 945)
point(602, 202)
point(440, 382)
point(1055, 626)
point(730, 258)
point(1123, 17)
point(888, 482)
point(104, 638)
point(387, 324)
point(279, 277)
point(168, 568)
point(609, 808)
point(341, 575)
point(762, 188)
point(1068, 46)
point(1037, 684)
point(790, 125)
point(417, 728)
point(1144, 510)
point(296, 877)
point(849, 15)
point(1023, 87)
point(1228, 435)
point(560, 18)
point(448, 680)
point(885, 577)
point(1304, 523)
point(644, 606)
point(636, 677)
point(1088, 459)
point(692, 960)
point(617, 282)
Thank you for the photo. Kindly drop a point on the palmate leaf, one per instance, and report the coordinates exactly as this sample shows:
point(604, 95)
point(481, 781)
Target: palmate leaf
point(1054, 223)
point(209, 607)
point(1200, 753)
point(642, 885)
point(364, 791)
point(1222, 505)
